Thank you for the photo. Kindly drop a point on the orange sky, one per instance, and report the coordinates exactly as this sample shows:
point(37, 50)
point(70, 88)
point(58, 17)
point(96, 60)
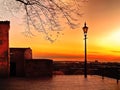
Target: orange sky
point(103, 43)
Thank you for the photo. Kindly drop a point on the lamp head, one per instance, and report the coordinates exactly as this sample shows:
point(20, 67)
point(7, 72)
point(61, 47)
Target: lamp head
point(85, 29)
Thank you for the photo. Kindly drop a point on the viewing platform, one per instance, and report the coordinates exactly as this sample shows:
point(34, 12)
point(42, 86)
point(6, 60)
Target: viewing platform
point(60, 82)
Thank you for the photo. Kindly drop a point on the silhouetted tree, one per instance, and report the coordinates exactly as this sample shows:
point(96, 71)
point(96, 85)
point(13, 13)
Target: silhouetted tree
point(48, 15)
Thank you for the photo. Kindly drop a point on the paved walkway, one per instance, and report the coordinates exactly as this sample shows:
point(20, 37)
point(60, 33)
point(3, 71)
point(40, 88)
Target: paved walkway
point(60, 82)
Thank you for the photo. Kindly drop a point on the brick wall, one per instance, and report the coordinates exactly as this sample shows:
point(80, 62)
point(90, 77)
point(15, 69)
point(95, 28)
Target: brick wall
point(4, 49)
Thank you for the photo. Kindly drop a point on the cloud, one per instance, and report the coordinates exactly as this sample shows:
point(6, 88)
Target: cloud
point(93, 52)
point(115, 51)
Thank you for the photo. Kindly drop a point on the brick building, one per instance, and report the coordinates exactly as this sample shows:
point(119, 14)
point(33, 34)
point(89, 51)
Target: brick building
point(22, 64)
point(4, 48)
point(17, 60)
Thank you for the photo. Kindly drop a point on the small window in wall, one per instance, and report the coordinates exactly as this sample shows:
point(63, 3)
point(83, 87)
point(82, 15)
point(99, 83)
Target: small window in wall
point(1, 42)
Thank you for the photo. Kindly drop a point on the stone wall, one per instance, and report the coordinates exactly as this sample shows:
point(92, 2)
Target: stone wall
point(38, 68)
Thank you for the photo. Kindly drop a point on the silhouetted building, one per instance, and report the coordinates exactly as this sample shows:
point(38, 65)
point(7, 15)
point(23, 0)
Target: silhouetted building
point(4, 48)
point(17, 60)
point(22, 64)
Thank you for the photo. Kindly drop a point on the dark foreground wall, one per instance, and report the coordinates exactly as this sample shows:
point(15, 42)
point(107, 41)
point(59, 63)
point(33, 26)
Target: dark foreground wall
point(17, 60)
point(38, 68)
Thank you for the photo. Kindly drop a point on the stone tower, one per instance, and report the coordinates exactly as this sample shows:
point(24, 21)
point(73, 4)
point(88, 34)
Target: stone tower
point(4, 49)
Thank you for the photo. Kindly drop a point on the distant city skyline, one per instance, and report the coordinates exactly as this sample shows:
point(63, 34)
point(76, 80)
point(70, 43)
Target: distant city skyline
point(103, 43)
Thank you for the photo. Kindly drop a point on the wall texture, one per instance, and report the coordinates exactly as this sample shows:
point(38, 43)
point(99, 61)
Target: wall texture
point(38, 68)
point(4, 49)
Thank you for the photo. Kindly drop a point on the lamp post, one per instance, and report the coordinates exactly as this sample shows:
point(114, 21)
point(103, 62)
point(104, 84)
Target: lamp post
point(85, 29)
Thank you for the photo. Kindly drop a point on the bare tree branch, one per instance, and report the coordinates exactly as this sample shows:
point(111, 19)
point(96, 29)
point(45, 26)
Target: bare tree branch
point(50, 15)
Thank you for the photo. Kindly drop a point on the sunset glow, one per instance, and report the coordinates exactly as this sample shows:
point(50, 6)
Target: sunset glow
point(103, 39)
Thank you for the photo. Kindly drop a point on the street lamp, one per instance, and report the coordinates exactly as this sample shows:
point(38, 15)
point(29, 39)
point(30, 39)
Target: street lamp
point(85, 29)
